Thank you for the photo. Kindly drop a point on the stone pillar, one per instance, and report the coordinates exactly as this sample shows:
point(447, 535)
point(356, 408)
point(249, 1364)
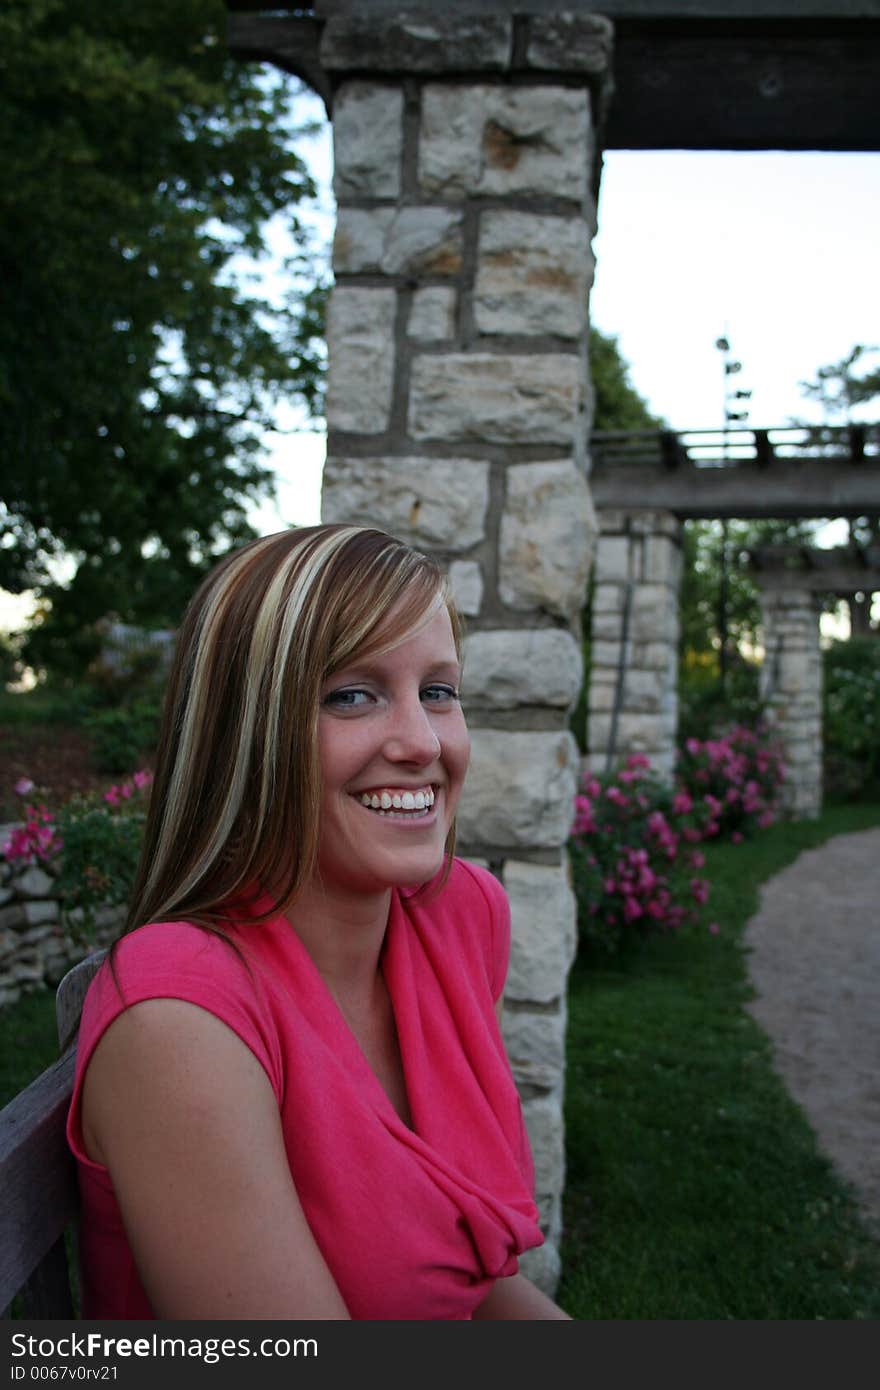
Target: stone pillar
point(458, 410)
point(633, 704)
point(791, 685)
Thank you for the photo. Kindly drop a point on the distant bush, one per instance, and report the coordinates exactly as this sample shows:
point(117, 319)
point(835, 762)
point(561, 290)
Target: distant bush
point(704, 709)
point(738, 776)
point(851, 718)
point(123, 736)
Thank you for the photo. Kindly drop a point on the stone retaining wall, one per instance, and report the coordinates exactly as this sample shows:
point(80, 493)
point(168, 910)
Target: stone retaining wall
point(36, 945)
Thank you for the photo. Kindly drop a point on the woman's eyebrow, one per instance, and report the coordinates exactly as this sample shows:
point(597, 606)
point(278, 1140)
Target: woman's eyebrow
point(375, 667)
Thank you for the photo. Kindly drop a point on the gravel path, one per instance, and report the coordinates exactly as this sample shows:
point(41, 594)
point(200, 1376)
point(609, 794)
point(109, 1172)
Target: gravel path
point(815, 964)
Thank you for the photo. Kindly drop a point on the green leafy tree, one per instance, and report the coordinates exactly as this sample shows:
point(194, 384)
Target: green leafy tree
point(841, 389)
point(139, 366)
point(617, 404)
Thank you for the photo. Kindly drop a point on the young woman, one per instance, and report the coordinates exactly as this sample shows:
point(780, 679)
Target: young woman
point(292, 1099)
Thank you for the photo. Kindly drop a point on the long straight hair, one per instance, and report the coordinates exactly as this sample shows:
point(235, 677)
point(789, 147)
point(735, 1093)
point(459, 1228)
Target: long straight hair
point(235, 802)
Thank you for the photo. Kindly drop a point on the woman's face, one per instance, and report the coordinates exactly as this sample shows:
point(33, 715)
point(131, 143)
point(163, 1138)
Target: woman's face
point(393, 751)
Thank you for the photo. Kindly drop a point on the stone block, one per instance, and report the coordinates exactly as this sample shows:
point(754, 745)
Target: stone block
point(519, 790)
point(535, 1044)
point(543, 916)
point(497, 399)
point(427, 502)
point(543, 1265)
point(496, 141)
point(34, 883)
point(566, 42)
point(605, 654)
point(466, 579)
point(548, 529)
point(6, 896)
point(532, 666)
point(612, 560)
point(406, 43)
point(36, 912)
point(607, 597)
point(543, 1117)
point(432, 316)
point(606, 627)
point(406, 241)
point(360, 373)
point(662, 561)
point(12, 917)
point(533, 274)
point(367, 140)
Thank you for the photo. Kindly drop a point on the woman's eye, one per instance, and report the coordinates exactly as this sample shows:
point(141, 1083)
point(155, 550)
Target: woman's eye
point(346, 699)
point(437, 694)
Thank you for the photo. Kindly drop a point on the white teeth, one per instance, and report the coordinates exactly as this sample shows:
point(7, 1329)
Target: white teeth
point(385, 800)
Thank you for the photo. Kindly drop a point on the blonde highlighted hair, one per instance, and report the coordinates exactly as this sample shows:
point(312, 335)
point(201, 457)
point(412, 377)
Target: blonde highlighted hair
point(236, 795)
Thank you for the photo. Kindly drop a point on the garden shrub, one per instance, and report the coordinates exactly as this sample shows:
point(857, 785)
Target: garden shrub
point(123, 736)
point(634, 856)
point(92, 844)
point(851, 718)
point(738, 776)
point(634, 843)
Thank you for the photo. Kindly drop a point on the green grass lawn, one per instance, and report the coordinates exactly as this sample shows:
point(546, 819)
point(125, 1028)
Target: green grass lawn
point(694, 1186)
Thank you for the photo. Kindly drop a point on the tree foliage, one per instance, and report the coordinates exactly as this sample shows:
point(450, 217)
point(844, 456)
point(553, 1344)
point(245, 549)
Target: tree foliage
point(617, 404)
point(138, 367)
point(839, 388)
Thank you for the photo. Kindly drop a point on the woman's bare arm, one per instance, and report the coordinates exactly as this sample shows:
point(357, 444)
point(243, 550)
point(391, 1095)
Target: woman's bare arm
point(517, 1299)
point(185, 1118)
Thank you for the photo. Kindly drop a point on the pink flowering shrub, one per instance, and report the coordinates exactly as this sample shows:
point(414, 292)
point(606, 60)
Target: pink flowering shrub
point(91, 844)
point(634, 856)
point(738, 776)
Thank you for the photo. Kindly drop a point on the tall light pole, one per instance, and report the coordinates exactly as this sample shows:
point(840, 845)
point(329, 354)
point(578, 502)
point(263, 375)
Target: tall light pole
point(734, 413)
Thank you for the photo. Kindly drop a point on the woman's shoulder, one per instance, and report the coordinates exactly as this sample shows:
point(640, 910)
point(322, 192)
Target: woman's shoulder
point(471, 880)
point(175, 959)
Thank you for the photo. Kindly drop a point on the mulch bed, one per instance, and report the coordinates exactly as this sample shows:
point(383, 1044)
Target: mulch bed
point(56, 758)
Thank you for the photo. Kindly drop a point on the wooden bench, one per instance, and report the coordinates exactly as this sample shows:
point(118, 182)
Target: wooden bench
point(38, 1190)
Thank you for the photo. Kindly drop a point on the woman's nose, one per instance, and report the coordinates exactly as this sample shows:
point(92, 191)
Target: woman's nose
point(411, 735)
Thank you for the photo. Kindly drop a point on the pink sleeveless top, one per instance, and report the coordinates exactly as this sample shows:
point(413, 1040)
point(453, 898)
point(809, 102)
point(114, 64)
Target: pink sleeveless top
point(436, 1212)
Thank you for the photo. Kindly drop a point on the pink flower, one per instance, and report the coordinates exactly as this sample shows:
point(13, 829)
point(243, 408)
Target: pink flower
point(112, 796)
point(23, 786)
point(765, 819)
point(693, 746)
point(632, 909)
point(682, 803)
point(700, 890)
point(736, 837)
point(638, 760)
point(144, 777)
point(713, 929)
point(697, 859)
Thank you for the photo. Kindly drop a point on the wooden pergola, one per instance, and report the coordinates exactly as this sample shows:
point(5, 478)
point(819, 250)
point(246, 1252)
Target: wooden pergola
point(791, 471)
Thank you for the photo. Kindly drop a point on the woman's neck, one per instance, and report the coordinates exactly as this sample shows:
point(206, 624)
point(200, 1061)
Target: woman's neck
point(344, 935)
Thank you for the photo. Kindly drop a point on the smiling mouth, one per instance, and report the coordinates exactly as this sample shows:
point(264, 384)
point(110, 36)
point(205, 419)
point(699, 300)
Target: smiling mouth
point(397, 803)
